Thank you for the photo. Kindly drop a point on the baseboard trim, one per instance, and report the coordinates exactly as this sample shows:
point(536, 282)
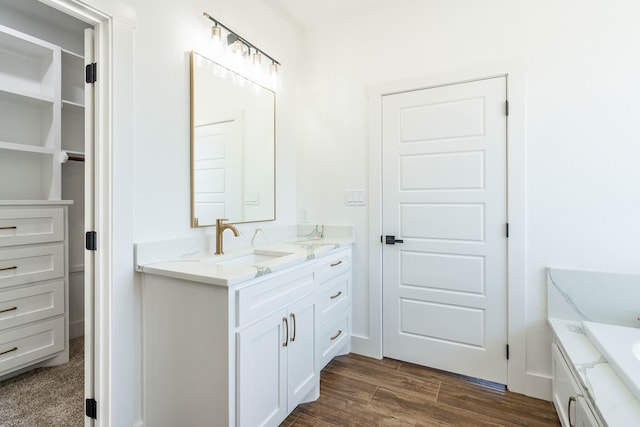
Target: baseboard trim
point(76, 329)
point(365, 346)
point(538, 386)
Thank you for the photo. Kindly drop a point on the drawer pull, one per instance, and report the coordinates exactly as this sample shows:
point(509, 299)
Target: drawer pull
point(8, 268)
point(9, 351)
point(8, 309)
point(293, 320)
point(286, 328)
point(333, 338)
point(571, 399)
point(336, 295)
point(13, 227)
point(335, 264)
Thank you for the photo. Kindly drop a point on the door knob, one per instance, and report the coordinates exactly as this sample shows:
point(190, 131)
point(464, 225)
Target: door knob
point(391, 240)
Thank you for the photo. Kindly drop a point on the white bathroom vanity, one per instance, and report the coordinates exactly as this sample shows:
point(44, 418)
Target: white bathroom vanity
point(239, 339)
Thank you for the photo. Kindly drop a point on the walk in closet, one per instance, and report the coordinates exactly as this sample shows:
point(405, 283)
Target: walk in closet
point(42, 80)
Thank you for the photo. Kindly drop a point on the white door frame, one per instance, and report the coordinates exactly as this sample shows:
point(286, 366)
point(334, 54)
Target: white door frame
point(518, 379)
point(103, 17)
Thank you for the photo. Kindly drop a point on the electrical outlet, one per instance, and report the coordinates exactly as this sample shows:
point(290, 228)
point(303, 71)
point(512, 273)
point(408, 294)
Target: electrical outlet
point(304, 216)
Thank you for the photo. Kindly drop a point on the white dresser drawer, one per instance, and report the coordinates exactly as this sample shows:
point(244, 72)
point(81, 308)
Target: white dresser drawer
point(264, 297)
point(31, 225)
point(21, 346)
point(333, 265)
point(25, 265)
point(334, 296)
point(32, 303)
point(333, 338)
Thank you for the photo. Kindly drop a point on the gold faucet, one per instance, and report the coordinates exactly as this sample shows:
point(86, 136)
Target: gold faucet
point(220, 227)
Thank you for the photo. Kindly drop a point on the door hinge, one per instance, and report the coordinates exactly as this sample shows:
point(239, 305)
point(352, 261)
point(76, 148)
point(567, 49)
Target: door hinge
point(506, 107)
point(380, 238)
point(91, 240)
point(507, 351)
point(91, 408)
point(91, 73)
point(506, 230)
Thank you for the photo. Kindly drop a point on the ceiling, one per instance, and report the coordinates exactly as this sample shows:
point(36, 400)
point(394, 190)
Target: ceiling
point(311, 13)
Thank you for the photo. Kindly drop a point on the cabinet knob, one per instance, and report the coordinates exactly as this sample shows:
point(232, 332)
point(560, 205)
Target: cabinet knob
point(571, 399)
point(9, 351)
point(293, 320)
point(336, 295)
point(286, 328)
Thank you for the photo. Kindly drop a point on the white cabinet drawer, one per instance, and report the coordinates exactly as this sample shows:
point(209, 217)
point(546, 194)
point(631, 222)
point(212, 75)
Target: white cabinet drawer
point(334, 296)
point(31, 225)
point(333, 338)
point(31, 264)
point(21, 346)
point(264, 297)
point(333, 265)
point(36, 302)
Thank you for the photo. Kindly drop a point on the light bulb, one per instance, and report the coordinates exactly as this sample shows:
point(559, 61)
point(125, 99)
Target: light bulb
point(216, 33)
point(273, 71)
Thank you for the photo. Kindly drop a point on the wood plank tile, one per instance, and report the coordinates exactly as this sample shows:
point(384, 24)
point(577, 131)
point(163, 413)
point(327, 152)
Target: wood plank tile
point(359, 391)
point(342, 412)
point(350, 388)
point(512, 407)
point(427, 412)
point(390, 379)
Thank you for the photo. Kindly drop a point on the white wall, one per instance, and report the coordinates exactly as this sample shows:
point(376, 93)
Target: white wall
point(582, 201)
point(166, 32)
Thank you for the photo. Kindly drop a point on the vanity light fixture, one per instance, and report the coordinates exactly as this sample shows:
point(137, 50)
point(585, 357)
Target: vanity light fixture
point(245, 56)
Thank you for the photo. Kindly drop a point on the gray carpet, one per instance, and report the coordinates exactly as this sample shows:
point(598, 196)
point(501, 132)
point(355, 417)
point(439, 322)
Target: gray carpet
point(46, 397)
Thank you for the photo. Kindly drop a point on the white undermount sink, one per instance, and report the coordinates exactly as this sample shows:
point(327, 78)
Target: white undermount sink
point(242, 259)
point(620, 345)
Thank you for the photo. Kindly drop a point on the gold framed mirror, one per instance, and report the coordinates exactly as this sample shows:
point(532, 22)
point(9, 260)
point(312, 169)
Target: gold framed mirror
point(232, 146)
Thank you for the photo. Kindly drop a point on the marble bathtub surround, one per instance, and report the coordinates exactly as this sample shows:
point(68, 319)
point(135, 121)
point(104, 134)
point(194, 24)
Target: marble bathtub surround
point(575, 297)
point(612, 298)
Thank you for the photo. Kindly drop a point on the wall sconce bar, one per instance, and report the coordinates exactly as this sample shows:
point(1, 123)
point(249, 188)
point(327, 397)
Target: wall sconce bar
point(236, 36)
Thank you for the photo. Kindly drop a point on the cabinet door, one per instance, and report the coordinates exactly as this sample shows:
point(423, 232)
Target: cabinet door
point(261, 371)
point(564, 390)
point(584, 416)
point(301, 372)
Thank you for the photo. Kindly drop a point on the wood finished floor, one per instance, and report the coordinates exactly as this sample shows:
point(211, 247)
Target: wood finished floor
point(359, 391)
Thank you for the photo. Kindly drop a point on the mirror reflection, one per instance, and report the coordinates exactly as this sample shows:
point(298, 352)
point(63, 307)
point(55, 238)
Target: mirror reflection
point(232, 146)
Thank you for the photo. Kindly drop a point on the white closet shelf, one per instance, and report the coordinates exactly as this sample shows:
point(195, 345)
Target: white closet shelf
point(15, 41)
point(73, 54)
point(26, 97)
point(72, 106)
point(26, 148)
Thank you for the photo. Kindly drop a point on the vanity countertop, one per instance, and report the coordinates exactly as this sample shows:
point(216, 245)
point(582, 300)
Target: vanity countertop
point(203, 267)
point(613, 400)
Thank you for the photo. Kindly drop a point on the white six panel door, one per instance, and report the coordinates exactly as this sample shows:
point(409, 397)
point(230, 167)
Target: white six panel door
point(444, 195)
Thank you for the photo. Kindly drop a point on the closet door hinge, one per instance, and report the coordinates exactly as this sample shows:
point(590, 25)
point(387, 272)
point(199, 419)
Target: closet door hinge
point(91, 240)
point(506, 107)
point(91, 73)
point(91, 408)
point(506, 230)
point(507, 351)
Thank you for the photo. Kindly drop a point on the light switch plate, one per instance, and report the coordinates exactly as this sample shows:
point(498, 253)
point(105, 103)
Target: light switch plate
point(355, 198)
